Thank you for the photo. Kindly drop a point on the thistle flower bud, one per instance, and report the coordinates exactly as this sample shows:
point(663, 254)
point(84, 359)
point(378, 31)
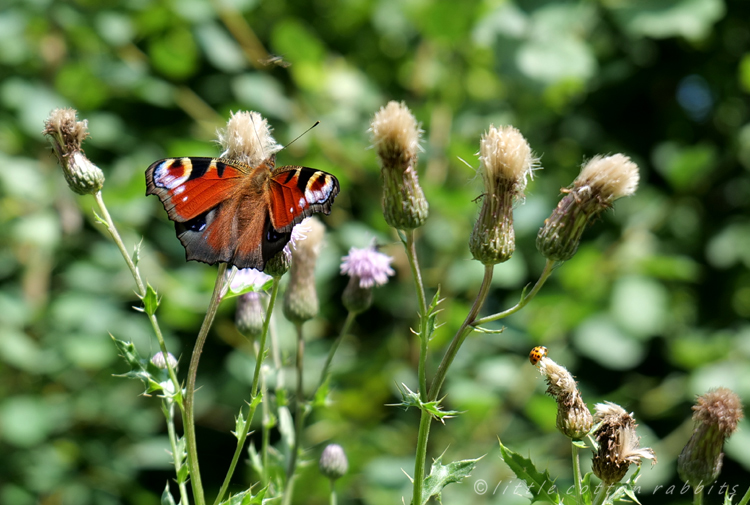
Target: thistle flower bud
point(366, 268)
point(66, 135)
point(159, 362)
point(505, 161)
point(600, 183)
point(301, 298)
point(716, 415)
point(247, 138)
point(333, 463)
point(619, 445)
point(395, 136)
point(573, 417)
point(250, 314)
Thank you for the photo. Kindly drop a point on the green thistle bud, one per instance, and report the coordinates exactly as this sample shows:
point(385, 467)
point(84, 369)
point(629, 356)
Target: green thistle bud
point(250, 314)
point(619, 445)
point(716, 415)
point(395, 136)
point(333, 463)
point(66, 135)
point(600, 183)
point(301, 298)
point(573, 417)
point(505, 161)
point(366, 268)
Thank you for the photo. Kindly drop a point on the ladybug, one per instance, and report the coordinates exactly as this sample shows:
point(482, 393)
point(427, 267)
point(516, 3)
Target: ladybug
point(537, 353)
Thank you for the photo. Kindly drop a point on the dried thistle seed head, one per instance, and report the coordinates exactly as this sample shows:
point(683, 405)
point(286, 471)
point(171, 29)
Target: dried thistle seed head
point(333, 463)
point(301, 298)
point(250, 314)
point(159, 362)
point(619, 444)
point(602, 181)
point(366, 268)
point(505, 161)
point(247, 138)
point(573, 417)
point(66, 135)
point(716, 415)
point(395, 136)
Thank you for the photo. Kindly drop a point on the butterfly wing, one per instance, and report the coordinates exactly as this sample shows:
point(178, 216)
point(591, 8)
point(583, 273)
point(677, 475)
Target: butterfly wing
point(296, 192)
point(198, 195)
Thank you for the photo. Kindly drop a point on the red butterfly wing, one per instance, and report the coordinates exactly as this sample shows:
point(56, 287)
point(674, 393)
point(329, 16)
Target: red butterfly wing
point(188, 187)
point(297, 192)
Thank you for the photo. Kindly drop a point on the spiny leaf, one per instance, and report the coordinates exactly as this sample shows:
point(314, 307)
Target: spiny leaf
point(247, 498)
point(138, 365)
point(239, 425)
point(136, 258)
point(412, 399)
point(432, 312)
point(442, 475)
point(541, 485)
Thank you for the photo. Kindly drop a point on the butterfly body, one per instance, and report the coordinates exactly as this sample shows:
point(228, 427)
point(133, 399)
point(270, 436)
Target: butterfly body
point(226, 211)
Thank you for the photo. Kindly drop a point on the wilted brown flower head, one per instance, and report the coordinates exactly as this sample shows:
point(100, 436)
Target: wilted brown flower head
point(573, 417)
point(619, 444)
point(716, 415)
point(602, 181)
point(395, 136)
point(505, 162)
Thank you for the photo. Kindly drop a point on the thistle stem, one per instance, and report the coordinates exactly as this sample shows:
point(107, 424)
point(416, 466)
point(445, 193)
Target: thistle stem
point(326, 367)
point(299, 418)
point(601, 495)
point(333, 492)
point(255, 397)
point(548, 268)
point(192, 445)
point(177, 458)
point(577, 473)
point(745, 499)
point(698, 496)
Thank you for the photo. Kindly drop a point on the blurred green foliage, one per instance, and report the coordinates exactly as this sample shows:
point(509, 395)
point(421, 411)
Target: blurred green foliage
point(651, 311)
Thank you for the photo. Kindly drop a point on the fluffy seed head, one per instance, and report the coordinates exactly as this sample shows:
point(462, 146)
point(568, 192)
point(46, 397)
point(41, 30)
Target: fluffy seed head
point(301, 298)
point(573, 417)
point(609, 177)
point(247, 138)
point(395, 132)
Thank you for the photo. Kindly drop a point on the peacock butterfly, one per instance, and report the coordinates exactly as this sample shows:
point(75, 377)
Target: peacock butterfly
point(225, 211)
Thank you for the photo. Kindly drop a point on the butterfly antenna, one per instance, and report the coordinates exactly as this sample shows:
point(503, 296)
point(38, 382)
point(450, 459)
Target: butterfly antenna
point(301, 134)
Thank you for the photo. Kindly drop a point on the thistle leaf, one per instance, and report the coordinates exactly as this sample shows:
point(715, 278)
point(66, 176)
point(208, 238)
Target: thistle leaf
point(541, 485)
point(442, 475)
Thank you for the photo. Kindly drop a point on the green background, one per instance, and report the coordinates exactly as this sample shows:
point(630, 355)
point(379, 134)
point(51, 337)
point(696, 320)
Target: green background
point(650, 312)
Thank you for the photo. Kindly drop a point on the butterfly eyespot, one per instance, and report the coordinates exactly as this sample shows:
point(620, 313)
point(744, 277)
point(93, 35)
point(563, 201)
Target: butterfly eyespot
point(537, 353)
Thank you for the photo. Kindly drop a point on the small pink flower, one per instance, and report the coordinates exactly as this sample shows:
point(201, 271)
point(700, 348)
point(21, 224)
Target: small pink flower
point(371, 267)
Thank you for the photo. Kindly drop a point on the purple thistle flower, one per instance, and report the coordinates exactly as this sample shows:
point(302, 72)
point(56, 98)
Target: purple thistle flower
point(371, 267)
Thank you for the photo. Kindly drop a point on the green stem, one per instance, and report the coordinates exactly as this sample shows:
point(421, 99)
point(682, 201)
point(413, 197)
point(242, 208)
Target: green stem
point(177, 458)
point(327, 366)
point(192, 445)
point(601, 495)
point(745, 499)
point(698, 495)
point(411, 253)
point(548, 267)
point(266, 435)
point(299, 418)
point(419, 465)
point(255, 398)
point(577, 473)
point(461, 334)
point(333, 492)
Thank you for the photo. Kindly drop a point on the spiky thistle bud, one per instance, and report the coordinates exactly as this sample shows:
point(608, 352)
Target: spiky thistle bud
point(247, 138)
point(333, 463)
point(66, 135)
point(395, 136)
point(366, 268)
point(159, 362)
point(573, 417)
point(602, 181)
point(716, 415)
point(619, 444)
point(301, 298)
point(505, 161)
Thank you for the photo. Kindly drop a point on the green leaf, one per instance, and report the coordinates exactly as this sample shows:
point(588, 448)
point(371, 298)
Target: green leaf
point(442, 475)
point(150, 300)
point(166, 497)
point(286, 426)
point(136, 258)
point(137, 364)
point(247, 498)
point(412, 399)
point(541, 485)
point(239, 425)
point(182, 474)
point(432, 312)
